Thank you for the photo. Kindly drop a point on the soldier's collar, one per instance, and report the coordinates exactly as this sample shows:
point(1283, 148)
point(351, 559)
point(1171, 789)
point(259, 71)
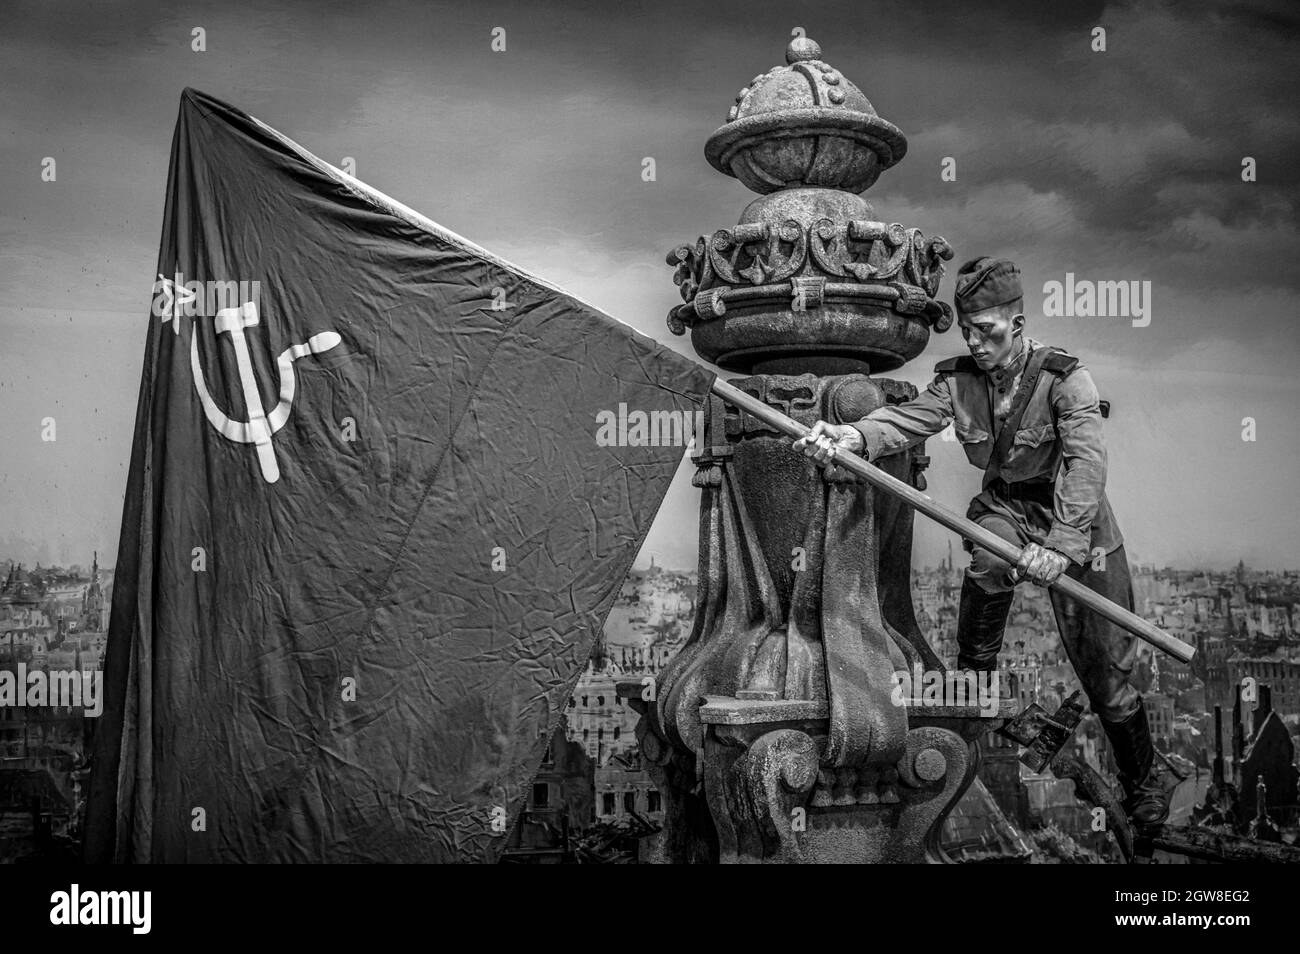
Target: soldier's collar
point(1014, 367)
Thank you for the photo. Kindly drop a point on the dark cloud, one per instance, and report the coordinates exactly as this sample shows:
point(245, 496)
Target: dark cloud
point(1146, 140)
point(1123, 164)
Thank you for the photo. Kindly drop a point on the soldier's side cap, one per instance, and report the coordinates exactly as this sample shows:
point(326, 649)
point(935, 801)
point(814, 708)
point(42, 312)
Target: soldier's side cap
point(984, 283)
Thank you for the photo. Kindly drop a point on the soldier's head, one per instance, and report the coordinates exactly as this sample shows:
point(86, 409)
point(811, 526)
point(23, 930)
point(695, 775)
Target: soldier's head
point(990, 310)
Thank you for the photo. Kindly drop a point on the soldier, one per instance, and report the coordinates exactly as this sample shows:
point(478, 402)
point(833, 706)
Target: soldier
point(1028, 415)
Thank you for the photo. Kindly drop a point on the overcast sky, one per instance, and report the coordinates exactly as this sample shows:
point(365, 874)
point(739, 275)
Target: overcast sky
point(1122, 165)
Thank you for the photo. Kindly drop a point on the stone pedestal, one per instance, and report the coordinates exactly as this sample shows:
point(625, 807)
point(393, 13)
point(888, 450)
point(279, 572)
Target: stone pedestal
point(779, 733)
point(774, 798)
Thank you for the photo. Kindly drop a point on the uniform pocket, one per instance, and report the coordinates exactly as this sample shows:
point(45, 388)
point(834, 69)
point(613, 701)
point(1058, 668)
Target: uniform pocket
point(1034, 436)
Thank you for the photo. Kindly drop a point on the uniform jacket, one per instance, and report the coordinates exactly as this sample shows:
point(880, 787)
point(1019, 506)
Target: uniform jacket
point(1059, 439)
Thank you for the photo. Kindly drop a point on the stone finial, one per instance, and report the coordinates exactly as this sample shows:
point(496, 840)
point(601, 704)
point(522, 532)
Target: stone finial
point(809, 281)
point(802, 49)
point(804, 125)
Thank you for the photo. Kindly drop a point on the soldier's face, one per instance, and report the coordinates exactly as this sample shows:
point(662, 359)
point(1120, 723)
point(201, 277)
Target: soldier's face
point(991, 335)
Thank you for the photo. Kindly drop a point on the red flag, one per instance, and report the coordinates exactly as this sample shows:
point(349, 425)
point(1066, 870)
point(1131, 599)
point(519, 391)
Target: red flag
point(372, 525)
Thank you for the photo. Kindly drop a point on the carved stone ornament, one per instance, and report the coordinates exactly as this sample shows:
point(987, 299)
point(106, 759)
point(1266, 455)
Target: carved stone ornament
point(808, 141)
point(776, 733)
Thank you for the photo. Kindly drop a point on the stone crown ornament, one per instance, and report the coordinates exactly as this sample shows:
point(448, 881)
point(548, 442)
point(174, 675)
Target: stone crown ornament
point(804, 124)
point(809, 281)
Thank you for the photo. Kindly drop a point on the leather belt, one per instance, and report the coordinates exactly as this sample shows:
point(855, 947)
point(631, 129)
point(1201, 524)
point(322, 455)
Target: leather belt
point(1036, 491)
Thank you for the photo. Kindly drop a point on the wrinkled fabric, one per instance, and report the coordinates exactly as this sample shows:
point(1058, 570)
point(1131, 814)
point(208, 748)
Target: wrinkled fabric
point(1059, 439)
point(443, 541)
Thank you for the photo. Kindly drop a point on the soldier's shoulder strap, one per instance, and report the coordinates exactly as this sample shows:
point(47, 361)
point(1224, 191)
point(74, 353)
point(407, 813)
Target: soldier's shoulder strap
point(1059, 361)
point(962, 362)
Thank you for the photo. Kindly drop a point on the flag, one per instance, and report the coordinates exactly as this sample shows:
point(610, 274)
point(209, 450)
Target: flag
point(375, 518)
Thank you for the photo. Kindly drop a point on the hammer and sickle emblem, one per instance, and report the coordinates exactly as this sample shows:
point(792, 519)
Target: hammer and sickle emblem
point(260, 426)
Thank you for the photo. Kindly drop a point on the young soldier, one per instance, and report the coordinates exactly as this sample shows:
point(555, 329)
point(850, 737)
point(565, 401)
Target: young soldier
point(1028, 415)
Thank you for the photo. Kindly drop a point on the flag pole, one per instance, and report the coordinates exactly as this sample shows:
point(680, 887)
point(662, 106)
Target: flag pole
point(972, 531)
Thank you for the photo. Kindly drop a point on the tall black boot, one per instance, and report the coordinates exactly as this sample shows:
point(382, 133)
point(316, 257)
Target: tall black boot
point(1142, 775)
point(981, 621)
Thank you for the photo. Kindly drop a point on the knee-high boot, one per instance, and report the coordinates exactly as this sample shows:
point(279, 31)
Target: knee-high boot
point(981, 621)
point(1145, 782)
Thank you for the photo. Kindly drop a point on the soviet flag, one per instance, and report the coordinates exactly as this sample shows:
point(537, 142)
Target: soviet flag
point(369, 534)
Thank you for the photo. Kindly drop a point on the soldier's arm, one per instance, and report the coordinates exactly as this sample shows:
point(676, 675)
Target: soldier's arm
point(896, 427)
point(1082, 477)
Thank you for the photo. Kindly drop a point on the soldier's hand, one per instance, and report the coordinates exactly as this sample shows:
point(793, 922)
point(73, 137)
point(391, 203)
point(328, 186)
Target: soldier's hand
point(827, 441)
point(1039, 565)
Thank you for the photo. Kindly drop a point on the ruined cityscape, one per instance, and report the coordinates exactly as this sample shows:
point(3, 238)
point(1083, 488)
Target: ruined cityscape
point(594, 799)
point(52, 620)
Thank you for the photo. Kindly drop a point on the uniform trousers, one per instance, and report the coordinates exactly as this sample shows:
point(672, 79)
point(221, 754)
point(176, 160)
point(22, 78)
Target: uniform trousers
point(1102, 654)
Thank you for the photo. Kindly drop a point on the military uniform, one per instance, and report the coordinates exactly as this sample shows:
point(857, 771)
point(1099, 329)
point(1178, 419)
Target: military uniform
point(1049, 489)
point(1045, 485)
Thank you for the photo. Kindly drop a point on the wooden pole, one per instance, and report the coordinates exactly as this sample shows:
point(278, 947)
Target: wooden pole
point(972, 531)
